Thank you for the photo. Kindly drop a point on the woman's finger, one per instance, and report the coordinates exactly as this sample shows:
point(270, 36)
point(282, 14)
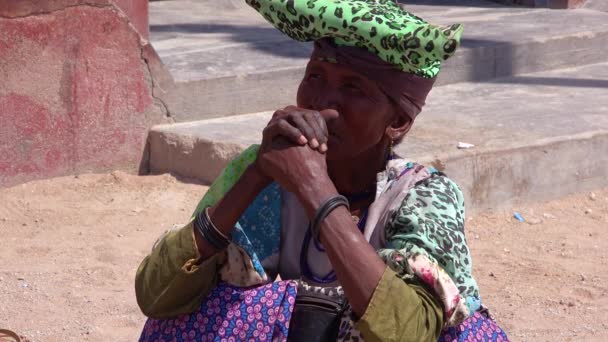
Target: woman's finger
point(302, 124)
point(284, 128)
point(290, 109)
point(278, 114)
point(317, 121)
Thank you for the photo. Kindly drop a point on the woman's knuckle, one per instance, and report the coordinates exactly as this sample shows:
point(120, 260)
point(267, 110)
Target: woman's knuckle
point(279, 113)
point(308, 129)
point(295, 114)
point(282, 124)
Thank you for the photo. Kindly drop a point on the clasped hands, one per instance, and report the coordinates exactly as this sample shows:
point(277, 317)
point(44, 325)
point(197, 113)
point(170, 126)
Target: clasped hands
point(293, 149)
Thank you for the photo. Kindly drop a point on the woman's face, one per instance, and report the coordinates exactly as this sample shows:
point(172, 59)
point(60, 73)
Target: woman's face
point(364, 111)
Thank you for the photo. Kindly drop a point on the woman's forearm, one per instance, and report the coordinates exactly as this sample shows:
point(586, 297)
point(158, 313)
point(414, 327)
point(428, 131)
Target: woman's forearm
point(179, 272)
point(355, 262)
point(357, 266)
point(229, 209)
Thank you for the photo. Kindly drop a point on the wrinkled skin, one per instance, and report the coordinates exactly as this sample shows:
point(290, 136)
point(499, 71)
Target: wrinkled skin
point(360, 124)
point(364, 111)
point(333, 142)
point(341, 113)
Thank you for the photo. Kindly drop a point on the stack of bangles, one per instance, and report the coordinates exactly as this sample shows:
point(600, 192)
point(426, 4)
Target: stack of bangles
point(209, 231)
point(323, 211)
point(220, 241)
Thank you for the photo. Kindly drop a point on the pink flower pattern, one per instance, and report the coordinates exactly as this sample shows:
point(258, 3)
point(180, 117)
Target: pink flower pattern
point(231, 314)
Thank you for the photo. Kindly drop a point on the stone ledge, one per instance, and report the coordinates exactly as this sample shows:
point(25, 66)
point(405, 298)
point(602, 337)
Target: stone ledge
point(536, 136)
point(222, 54)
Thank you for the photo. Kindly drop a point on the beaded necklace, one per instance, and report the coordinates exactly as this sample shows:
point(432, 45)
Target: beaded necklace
point(305, 268)
point(331, 276)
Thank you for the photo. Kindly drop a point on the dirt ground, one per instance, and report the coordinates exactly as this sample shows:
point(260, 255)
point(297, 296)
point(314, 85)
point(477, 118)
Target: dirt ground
point(69, 248)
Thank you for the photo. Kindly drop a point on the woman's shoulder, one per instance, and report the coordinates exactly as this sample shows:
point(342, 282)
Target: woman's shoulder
point(429, 225)
point(426, 184)
point(440, 189)
point(434, 200)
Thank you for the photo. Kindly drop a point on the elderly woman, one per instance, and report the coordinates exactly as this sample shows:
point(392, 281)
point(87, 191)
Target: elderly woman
point(368, 246)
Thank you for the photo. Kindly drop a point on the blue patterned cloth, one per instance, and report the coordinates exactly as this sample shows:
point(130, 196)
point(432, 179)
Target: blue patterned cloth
point(258, 231)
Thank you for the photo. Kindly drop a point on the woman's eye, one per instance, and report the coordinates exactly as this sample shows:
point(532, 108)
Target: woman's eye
point(352, 87)
point(313, 76)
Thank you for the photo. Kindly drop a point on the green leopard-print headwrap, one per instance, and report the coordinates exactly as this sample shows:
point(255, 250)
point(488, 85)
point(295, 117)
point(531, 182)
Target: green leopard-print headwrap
point(379, 26)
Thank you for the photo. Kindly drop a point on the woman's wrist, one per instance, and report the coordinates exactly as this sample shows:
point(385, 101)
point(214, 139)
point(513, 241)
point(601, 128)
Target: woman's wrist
point(314, 192)
point(229, 209)
point(255, 177)
point(246, 189)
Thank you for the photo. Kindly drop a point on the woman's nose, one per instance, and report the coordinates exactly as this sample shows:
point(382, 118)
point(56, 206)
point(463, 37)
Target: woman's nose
point(327, 98)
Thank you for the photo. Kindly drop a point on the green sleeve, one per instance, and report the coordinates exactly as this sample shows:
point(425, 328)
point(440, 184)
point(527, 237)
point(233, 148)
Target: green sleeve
point(401, 311)
point(229, 176)
point(427, 245)
point(170, 281)
point(430, 222)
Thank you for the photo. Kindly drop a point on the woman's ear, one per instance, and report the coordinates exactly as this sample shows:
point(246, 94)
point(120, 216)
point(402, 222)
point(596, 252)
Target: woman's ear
point(401, 124)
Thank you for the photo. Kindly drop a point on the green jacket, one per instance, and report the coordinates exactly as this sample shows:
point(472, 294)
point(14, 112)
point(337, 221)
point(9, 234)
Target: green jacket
point(171, 281)
point(425, 247)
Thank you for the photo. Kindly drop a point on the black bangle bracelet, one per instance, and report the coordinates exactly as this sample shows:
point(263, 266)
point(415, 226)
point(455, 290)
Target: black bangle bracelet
point(324, 210)
point(215, 229)
point(209, 232)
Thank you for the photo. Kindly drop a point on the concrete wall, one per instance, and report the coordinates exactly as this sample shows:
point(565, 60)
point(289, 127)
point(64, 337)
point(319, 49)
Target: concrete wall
point(79, 89)
point(561, 4)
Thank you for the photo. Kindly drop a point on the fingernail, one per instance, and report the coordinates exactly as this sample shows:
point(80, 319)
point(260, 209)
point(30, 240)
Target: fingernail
point(323, 147)
point(303, 140)
point(314, 143)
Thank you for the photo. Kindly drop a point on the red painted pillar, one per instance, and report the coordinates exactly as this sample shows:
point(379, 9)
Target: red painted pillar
point(76, 93)
point(137, 11)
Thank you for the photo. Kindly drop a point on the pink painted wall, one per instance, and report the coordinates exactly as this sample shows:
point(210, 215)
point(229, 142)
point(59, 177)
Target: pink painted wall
point(76, 92)
point(137, 10)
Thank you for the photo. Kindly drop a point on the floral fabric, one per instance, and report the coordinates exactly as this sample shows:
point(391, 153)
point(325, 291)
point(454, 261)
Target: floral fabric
point(476, 328)
point(423, 236)
point(231, 313)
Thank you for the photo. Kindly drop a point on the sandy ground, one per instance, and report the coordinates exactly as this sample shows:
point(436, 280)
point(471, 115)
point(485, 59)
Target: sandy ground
point(69, 248)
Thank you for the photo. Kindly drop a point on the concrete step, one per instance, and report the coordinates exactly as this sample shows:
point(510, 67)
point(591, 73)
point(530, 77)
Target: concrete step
point(598, 5)
point(227, 60)
point(537, 137)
